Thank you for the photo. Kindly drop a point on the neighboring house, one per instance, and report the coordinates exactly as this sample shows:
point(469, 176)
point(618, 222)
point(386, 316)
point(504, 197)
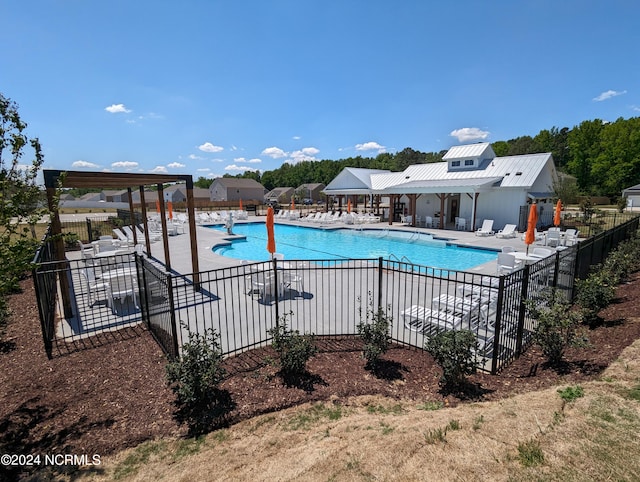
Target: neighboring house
point(92, 196)
point(311, 191)
point(471, 183)
point(235, 189)
point(280, 195)
point(633, 196)
point(67, 197)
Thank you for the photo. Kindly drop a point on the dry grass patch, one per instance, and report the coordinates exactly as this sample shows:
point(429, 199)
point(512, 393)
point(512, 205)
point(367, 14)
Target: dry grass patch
point(533, 436)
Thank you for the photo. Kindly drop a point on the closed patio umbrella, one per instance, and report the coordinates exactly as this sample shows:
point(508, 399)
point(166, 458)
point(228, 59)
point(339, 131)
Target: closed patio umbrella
point(271, 238)
point(556, 217)
point(530, 235)
point(170, 206)
point(293, 203)
point(349, 206)
point(158, 206)
point(240, 204)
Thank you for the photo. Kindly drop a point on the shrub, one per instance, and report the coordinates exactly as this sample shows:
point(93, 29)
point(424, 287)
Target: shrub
point(595, 292)
point(294, 349)
point(374, 331)
point(557, 326)
point(454, 352)
point(194, 379)
point(569, 394)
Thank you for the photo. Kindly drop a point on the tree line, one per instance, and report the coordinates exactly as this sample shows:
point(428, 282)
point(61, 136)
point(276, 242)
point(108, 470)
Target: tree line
point(603, 157)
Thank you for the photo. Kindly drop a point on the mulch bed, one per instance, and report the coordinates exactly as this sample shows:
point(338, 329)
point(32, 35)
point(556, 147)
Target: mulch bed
point(103, 398)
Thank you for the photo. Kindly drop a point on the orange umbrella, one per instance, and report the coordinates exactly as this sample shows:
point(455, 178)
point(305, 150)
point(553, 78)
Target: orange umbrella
point(240, 204)
point(293, 203)
point(530, 235)
point(158, 206)
point(349, 205)
point(271, 238)
point(170, 206)
point(556, 217)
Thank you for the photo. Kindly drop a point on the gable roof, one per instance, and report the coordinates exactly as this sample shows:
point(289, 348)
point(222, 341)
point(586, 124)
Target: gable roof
point(353, 180)
point(633, 190)
point(482, 150)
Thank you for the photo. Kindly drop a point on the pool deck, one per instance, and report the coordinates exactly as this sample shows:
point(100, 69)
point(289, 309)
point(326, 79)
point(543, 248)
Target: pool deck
point(180, 252)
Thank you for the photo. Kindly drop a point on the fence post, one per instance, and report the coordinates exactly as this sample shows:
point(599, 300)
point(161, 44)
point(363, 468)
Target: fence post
point(172, 314)
point(496, 333)
point(379, 283)
point(523, 309)
point(277, 288)
point(556, 269)
point(89, 230)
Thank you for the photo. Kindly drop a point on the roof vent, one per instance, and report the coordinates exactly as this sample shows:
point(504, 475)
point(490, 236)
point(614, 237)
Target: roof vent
point(507, 174)
point(518, 173)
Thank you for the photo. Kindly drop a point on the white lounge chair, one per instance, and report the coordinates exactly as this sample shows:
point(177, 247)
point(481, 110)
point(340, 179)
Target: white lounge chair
point(486, 229)
point(509, 231)
point(427, 321)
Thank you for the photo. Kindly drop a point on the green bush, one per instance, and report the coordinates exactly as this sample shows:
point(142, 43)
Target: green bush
point(374, 331)
point(454, 352)
point(594, 293)
point(570, 394)
point(194, 379)
point(557, 326)
point(294, 349)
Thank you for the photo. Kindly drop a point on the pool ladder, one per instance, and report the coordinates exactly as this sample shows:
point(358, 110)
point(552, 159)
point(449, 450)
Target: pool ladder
point(404, 259)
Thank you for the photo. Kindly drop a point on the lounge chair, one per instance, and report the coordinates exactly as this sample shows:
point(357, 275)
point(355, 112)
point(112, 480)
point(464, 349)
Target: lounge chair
point(427, 321)
point(541, 253)
point(486, 229)
point(509, 231)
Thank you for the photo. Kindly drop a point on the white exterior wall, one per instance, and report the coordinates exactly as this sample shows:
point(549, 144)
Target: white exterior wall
point(502, 205)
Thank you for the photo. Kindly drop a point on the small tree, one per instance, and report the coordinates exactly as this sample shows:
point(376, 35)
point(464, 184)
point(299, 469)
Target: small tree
point(454, 352)
point(557, 326)
point(594, 293)
point(294, 349)
point(194, 378)
point(374, 331)
point(21, 200)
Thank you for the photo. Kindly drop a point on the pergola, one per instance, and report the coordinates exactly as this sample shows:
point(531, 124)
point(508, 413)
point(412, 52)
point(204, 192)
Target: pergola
point(55, 179)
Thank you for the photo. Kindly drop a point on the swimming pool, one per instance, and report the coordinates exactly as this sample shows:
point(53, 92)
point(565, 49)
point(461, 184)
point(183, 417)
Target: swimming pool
point(299, 242)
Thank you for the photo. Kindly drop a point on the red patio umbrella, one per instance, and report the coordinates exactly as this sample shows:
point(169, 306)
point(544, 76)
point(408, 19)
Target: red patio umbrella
point(170, 206)
point(530, 235)
point(271, 238)
point(293, 203)
point(158, 206)
point(349, 206)
point(240, 204)
point(556, 217)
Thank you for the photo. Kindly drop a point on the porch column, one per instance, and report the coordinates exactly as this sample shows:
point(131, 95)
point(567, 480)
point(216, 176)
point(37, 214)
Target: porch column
point(412, 208)
point(473, 211)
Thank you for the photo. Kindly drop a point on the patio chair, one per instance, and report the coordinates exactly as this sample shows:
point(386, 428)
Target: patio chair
point(553, 238)
point(461, 224)
point(541, 252)
point(509, 231)
point(120, 288)
point(264, 284)
point(506, 263)
point(570, 237)
point(93, 285)
point(292, 281)
point(124, 241)
point(486, 229)
point(428, 222)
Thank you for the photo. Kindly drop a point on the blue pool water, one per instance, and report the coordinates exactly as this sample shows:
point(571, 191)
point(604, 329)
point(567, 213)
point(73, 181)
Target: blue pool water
point(297, 242)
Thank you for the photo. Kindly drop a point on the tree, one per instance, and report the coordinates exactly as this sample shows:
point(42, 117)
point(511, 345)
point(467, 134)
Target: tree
point(21, 200)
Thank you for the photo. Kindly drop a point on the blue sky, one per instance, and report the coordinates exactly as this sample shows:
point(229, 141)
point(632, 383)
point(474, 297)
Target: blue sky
point(215, 87)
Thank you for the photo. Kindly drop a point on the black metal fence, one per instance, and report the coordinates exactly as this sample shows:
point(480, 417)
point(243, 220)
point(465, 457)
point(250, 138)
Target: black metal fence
point(325, 297)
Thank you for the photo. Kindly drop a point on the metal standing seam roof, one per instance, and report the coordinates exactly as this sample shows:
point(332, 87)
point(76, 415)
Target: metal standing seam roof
point(353, 180)
point(469, 150)
point(445, 185)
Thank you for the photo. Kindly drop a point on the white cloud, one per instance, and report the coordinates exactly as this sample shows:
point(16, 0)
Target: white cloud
point(208, 147)
point(302, 155)
point(161, 169)
point(89, 165)
point(370, 146)
point(609, 94)
point(117, 108)
point(636, 108)
point(124, 164)
point(467, 134)
point(176, 165)
point(203, 169)
point(250, 161)
point(274, 152)
point(233, 167)
point(296, 138)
